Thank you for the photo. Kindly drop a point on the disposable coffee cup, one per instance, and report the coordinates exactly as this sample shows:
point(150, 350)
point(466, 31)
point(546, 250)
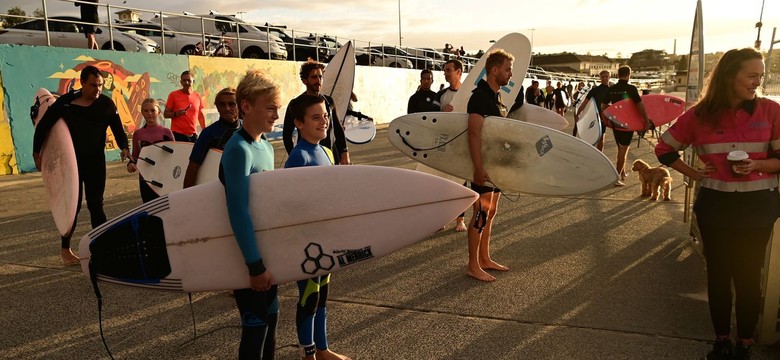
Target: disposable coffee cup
point(737, 157)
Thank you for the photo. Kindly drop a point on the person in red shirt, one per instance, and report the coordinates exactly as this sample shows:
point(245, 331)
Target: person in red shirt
point(737, 205)
point(185, 109)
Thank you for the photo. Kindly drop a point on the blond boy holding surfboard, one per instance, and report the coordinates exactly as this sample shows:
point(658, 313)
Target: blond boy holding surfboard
point(248, 152)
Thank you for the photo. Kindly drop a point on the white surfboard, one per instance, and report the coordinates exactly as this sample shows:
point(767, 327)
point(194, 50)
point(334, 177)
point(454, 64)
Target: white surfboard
point(59, 168)
point(589, 126)
point(540, 116)
point(582, 94)
point(518, 156)
point(166, 244)
point(164, 165)
point(513, 43)
point(359, 131)
point(339, 78)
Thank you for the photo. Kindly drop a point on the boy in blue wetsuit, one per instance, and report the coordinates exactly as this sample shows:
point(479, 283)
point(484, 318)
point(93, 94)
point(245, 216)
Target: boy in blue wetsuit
point(248, 152)
point(311, 119)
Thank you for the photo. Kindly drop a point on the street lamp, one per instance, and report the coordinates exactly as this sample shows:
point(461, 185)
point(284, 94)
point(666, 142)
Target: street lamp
point(399, 23)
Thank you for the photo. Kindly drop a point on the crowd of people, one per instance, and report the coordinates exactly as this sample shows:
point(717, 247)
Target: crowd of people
point(736, 206)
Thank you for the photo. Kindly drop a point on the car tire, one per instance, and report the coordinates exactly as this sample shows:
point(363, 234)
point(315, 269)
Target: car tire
point(254, 53)
point(117, 46)
point(190, 50)
point(395, 65)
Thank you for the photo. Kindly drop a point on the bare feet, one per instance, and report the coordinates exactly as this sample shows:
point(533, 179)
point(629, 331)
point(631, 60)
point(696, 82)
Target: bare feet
point(460, 225)
point(492, 265)
point(68, 257)
point(480, 275)
point(330, 355)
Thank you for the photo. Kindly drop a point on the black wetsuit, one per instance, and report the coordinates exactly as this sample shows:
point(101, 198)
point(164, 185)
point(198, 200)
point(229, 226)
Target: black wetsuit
point(421, 101)
point(87, 126)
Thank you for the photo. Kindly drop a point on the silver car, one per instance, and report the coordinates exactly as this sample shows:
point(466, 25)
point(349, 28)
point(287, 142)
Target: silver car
point(64, 32)
point(175, 42)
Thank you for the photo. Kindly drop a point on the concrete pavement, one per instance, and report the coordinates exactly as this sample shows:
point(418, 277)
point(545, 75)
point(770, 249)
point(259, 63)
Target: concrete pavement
point(604, 276)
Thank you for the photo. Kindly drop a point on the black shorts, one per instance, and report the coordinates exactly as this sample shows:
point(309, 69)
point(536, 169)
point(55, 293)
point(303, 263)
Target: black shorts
point(623, 137)
point(480, 189)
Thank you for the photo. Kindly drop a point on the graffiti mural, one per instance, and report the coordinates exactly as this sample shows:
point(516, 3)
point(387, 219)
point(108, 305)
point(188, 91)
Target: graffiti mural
point(129, 79)
point(7, 154)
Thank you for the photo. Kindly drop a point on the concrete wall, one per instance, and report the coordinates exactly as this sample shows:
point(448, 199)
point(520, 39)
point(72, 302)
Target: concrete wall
point(130, 78)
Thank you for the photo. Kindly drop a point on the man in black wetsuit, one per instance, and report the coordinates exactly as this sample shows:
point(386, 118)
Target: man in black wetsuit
point(311, 76)
point(624, 90)
point(485, 101)
point(422, 100)
point(88, 114)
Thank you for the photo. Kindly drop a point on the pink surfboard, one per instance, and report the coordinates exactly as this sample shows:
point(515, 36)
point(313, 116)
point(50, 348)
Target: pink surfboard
point(58, 167)
point(661, 109)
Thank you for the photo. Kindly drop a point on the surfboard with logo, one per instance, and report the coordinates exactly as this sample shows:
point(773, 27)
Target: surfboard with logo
point(589, 127)
point(164, 164)
point(518, 156)
point(59, 168)
point(165, 244)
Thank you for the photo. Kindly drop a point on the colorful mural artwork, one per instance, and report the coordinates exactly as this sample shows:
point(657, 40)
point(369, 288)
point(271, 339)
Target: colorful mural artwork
point(215, 74)
point(132, 77)
point(129, 79)
point(7, 154)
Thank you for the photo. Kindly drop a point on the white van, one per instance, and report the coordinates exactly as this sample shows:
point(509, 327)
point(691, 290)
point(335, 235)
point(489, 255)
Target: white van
point(252, 42)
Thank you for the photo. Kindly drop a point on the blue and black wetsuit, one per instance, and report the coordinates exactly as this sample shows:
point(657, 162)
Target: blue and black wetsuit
point(311, 314)
point(259, 310)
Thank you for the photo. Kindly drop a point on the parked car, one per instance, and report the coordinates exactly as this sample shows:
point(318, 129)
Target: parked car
point(330, 42)
point(436, 56)
point(64, 32)
point(399, 54)
point(298, 49)
point(254, 43)
point(175, 42)
point(384, 59)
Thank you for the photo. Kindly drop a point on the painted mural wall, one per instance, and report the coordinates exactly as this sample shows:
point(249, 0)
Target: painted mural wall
point(382, 93)
point(129, 79)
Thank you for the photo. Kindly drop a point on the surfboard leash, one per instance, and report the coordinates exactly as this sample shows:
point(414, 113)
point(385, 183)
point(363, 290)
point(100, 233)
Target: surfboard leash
point(403, 139)
point(192, 312)
point(93, 279)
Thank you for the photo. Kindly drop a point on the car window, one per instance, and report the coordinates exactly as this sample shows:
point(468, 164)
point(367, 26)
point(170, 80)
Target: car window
point(31, 25)
point(63, 27)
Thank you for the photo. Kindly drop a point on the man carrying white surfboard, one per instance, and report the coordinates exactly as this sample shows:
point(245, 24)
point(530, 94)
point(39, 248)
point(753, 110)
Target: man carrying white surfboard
point(336, 141)
point(88, 114)
point(248, 152)
point(485, 101)
point(311, 120)
point(598, 94)
point(422, 99)
point(453, 71)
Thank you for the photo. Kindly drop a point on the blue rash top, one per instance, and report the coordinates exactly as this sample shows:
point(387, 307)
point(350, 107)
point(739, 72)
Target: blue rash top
point(308, 154)
point(244, 156)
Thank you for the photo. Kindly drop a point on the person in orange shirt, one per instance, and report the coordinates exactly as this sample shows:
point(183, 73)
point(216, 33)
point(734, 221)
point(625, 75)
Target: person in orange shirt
point(185, 109)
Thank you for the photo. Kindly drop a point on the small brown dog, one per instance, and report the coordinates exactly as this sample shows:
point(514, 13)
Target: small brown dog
point(652, 179)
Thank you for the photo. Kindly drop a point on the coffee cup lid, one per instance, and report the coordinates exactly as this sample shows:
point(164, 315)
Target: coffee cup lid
point(737, 155)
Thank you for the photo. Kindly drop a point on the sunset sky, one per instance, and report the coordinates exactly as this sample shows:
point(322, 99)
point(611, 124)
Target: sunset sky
point(581, 26)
